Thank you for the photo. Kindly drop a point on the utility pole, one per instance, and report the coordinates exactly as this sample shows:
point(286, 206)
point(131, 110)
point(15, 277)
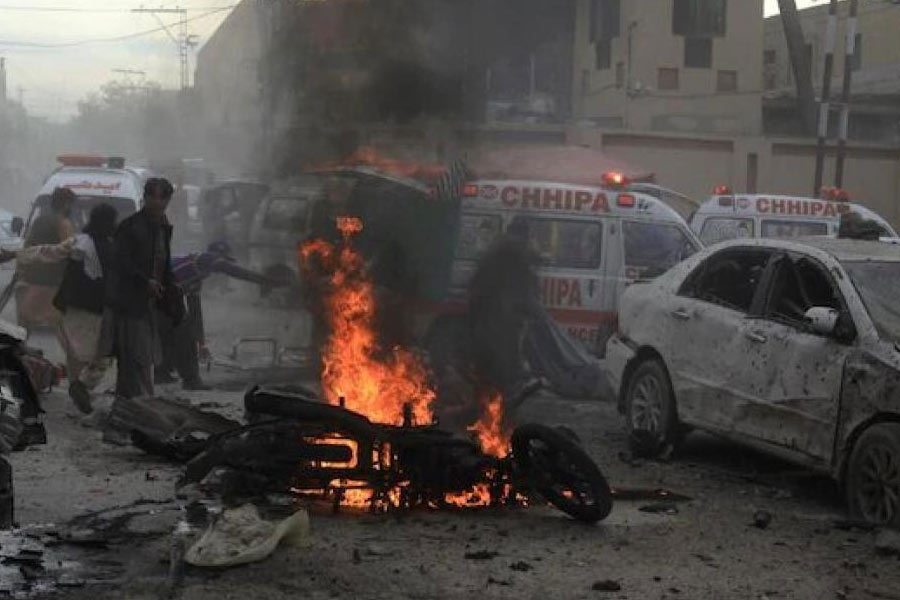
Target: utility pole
point(183, 40)
point(2, 80)
point(844, 124)
point(800, 63)
point(824, 104)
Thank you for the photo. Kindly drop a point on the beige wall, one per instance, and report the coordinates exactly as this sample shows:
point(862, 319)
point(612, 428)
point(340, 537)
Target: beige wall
point(693, 165)
point(696, 106)
point(878, 23)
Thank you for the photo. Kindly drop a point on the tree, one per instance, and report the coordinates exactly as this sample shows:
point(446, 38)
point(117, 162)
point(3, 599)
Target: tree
point(800, 64)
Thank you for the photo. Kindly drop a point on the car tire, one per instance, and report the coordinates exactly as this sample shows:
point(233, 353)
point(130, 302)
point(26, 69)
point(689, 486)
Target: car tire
point(650, 413)
point(872, 482)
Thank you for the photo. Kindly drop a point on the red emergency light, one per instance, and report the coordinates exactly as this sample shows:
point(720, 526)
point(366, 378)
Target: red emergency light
point(81, 160)
point(470, 190)
point(835, 194)
point(722, 190)
point(614, 179)
point(626, 201)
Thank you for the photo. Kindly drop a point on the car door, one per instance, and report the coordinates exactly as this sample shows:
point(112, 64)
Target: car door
point(793, 374)
point(704, 322)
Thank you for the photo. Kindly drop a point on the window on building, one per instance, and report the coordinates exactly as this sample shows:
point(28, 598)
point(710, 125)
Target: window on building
point(856, 63)
point(605, 19)
point(667, 79)
point(603, 49)
point(698, 53)
point(620, 75)
point(727, 81)
point(699, 18)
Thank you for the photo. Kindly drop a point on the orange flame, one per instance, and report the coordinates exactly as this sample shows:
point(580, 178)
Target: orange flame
point(492, 437)
point(371, 381)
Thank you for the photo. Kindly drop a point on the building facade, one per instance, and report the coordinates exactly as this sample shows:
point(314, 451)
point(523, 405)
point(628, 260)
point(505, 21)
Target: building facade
point(228, 87)
point(875, 97)
point(669, 65)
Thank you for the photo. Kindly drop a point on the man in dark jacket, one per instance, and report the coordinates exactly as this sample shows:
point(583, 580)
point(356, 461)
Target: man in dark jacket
point(142, 286)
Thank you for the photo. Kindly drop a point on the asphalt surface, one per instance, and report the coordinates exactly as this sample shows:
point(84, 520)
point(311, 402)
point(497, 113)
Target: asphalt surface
point(707, 546)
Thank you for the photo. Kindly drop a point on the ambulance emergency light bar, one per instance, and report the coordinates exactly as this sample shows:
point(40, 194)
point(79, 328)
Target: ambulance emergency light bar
point(91, 160)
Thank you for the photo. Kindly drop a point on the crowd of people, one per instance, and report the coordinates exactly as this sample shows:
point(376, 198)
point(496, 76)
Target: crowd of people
point(116, 294)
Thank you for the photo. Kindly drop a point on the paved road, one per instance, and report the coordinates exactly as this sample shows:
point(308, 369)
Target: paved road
point(708, 549)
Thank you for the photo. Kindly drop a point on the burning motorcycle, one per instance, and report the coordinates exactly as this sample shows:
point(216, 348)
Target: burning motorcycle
point(296, 442)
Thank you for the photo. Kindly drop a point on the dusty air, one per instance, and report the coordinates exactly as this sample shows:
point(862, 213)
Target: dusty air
point(450, 299)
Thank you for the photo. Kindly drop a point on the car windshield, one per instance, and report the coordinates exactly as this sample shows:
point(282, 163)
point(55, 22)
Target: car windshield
point(878, 284)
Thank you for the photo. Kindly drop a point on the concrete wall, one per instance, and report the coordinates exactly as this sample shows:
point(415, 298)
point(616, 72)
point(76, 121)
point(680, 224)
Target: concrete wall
point(696, 106)
point(879, 25)
point(693, 164)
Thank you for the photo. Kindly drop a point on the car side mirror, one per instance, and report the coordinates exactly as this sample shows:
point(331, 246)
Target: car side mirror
point(822, 320)
point(17, 225)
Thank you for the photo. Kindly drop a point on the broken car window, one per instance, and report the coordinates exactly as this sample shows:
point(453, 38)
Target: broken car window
point(798, 285)
point(652, 248)
point(729, 279)
point(878, 284)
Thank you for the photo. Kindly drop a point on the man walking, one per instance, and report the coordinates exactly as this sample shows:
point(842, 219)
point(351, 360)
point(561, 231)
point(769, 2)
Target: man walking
point(38, 282)
point(87, 260)
point(182, 343)
point(143, 286)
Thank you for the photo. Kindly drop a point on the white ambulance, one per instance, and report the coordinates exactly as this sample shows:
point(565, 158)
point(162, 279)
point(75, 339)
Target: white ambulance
point(592, 242)
point(93, 179)
point(727, 216)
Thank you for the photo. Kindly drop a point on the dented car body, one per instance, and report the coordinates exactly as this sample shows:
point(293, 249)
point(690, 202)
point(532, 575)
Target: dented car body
point(792, 347)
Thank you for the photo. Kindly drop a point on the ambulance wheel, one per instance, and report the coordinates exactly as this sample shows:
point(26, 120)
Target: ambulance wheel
point(651, 415)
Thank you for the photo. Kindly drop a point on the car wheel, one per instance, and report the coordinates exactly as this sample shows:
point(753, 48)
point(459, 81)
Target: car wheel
point(873, 475)
point(651, 418)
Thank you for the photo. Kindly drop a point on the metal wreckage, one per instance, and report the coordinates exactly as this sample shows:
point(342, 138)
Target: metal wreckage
point(371, 439)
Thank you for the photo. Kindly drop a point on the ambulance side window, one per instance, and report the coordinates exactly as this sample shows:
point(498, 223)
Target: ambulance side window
point(778, 228)
point(718, 229)
point(652, 248)
point(476, 234)
point(563, 243)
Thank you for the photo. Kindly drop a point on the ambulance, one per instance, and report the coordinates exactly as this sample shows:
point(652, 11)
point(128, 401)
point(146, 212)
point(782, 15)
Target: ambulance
point(592, 241)
point(93, 179)
point(727, 215)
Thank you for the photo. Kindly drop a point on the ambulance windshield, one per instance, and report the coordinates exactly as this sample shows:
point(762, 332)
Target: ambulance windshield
point(652, 248)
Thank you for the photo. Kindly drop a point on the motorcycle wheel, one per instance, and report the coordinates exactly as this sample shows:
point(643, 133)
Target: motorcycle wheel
point(562, 472)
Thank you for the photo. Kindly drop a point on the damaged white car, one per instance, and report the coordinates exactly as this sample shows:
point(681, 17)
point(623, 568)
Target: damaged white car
point(792, 347)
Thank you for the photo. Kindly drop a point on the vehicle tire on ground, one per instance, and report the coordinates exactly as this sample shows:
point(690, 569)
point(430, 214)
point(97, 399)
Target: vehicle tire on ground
point(651, 418)
point(562, 472)
point(872, 482)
